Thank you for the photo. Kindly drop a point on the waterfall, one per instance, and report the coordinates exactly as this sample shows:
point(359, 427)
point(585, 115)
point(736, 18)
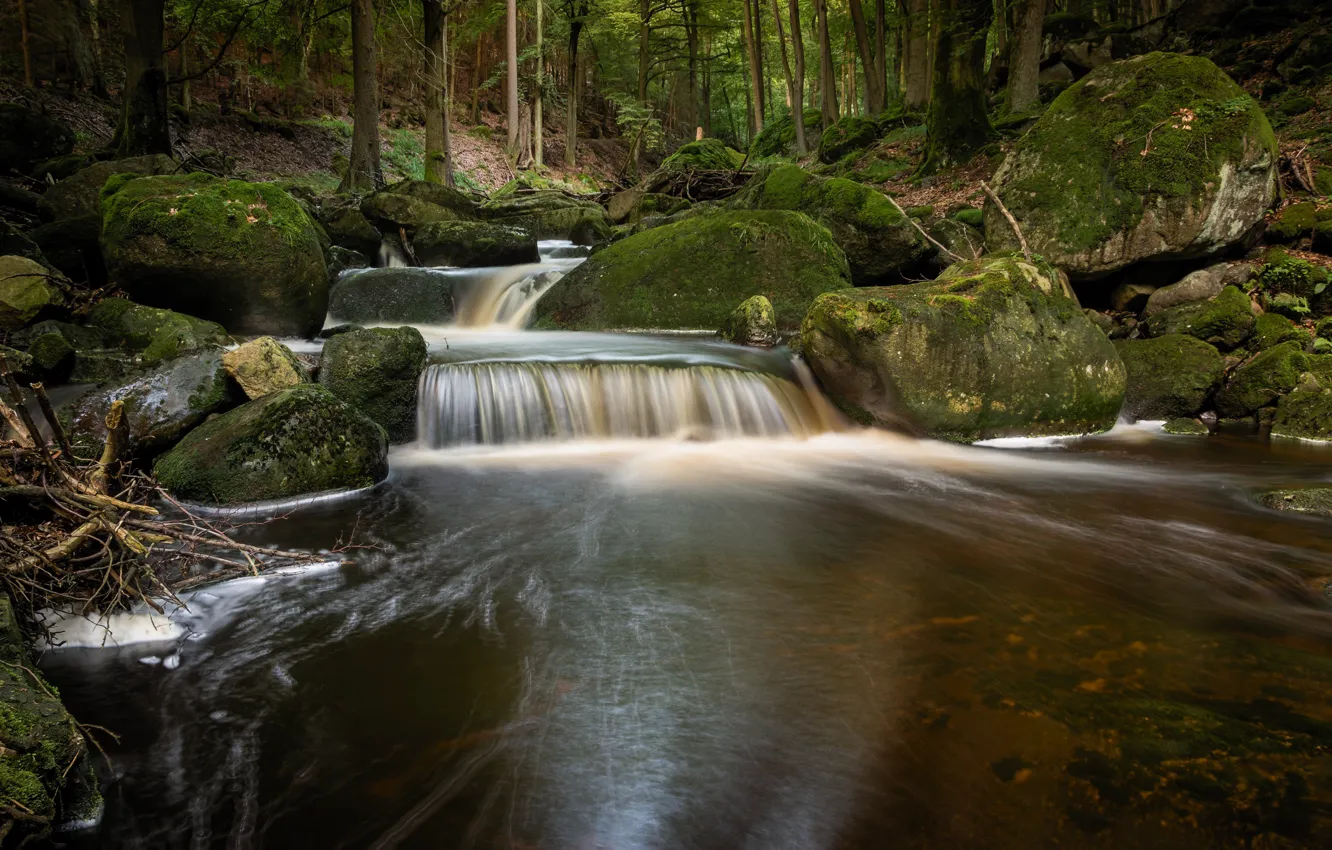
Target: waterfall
point(509, 402)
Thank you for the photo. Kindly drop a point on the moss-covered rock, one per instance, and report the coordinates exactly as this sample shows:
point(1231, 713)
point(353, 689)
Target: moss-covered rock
point(1316, 501)
point(1305, 415)
point(1262, 380)
point(703, 155)
point(752, 323)
point(1185, 427)
point(881, 245)
point(390, 211)
point(633, 205)
point(962, 239)
point(1169, 376)
point(1160, 156)
point(1225, 321)
point(1281, 273)
point(376, 370)
point(779, 137)
point(971, 216)
point(691, 273)
point(1271, 329)
point(1298, 221)
point(294, 442)
point(546, 215)
point(992, 348)
point(1201, 285)
point(27, 293)
point(28, 137)
point(262, 366)
point(152, 332)
point(473, 244)
point(393, 296)
point(52, 358)
point(79, 195)
point(455, 200)
point(245, 255)
point(73, 247)
point(849, 134)
point(347, 227)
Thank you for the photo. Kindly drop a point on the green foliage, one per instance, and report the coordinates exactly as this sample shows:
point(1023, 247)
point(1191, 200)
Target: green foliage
point(405, 156)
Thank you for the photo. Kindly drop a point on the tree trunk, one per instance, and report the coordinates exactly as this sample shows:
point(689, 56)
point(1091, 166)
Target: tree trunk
point(707, 86)
point(511, 76)
point(957, 122)
point(25, 34)
point(827, 73)
point(438, 162)
point(1024, 65)
point(916, 56)
point(644, 43)
point(764, 96)
point(881, 38)
point(95, 37)
point(144, 124)
point(538, 128)
point(755, 78)
point(476, 82)
point(868, 60)
point(571, 119)
point(798, 100)
point(691, 38)
point(363, 170)
point(786, 64)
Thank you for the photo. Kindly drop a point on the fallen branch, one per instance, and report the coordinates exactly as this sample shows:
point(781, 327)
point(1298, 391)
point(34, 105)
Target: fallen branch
point(58, 431)
point(1012, 222)
point(956, 257)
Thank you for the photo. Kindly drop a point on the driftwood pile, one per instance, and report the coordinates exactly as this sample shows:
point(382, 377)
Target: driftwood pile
point(91, 533)
point(696, 184)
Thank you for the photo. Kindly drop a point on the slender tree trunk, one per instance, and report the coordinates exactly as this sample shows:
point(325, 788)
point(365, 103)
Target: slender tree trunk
point(707, 85)
point(881, 56)
point(868, 60)
point(755, 86)
point(1024, 65)
point(916, 56)
point(25, 34)
point(765, 92)
point(95, 37)
point(511, 77)
point(957, 122)
point(827, 73)
point(538, 123)
point(571, 119)
point(363, 171)
point(798, 100)
point(144, 123)
point(786, 65)
point(438, 164)
point(476, 82)
point(691, 38)
point(644, 44)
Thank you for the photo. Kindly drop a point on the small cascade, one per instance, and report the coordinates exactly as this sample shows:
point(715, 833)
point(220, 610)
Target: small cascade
point(488, 403)
point(502, 296)
point(391, 255)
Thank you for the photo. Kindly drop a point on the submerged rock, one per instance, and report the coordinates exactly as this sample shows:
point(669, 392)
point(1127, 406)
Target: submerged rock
point(377, 371)
point(262, 366)
point(752, 323)
point(689, 274)
point(1225, 321)
point(154, 333)
point(881, 245)
point(242, 254)
point(1156, 157)
point(473, 244)
point(27, 292)
point(294, 442)
point(1311, 500)
point(1170, 376)
point(405, 296)
point(992, 348)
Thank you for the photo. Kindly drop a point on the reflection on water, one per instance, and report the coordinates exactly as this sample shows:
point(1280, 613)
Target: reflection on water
point(753, 643)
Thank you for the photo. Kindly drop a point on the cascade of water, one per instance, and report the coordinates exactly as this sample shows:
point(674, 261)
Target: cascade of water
point(489, 403)
point(391, 255)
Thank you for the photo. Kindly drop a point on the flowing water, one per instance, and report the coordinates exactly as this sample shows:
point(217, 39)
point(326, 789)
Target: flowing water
point(644, 592)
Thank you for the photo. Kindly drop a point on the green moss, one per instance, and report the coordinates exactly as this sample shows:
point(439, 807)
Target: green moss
point(849, 135)
point(1311, 500)
point(973, 217)
point(1282, 273)
point(1184, 427)
point(1225, 321)
point(778, 136)
point(26, 292)
point(158, 334)
point(1262, 380)
point(1298, 220)
point(1271, 329)
point(376, 370)
point(1170, 376)
point(1296, 105)
point(752, 323)
point(1305, 415)
point(703, 155)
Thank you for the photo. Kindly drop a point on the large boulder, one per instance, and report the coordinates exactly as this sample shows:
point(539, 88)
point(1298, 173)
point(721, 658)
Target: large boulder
point(1170, 376)
point(1202, 285)
point(377, 371)
point(849, 135)
point(262, 366)
point(1305, 415)
point(546, 215)
point(390, 211)
point(153, 333)
point(633, 205)
point(438, 194)
point(298, 441)
point(242, 254)
point(28, 137)
point(27, 292)
point(161, 405)
point(79, 195)
point(881, 245)
point(690, 274)
point(992, 348)
point(347, 227)
point(703, 155)
point(393, 296)
point(1157, 157)
point(474, 243)
point(1225, 321)
point(1262, 380)
point(72, 245)
point(779, 137)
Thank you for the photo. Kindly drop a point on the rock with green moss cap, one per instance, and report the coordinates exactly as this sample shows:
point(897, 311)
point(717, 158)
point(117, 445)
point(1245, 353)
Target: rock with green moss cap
point(45, 766)
point(377, 370)
point(473, 244)
point(779, 137)
point(393, 296)
point(1298, 221)
point(703, 155)
point(692, 273)
point(28, 292)
point(1115, 172)
point(391, 211)
point(52, 358)
point(262, 366)
point(347, 227)
point(992, 348)
point(1305, 415)
point(455, 200)
point(1201, 285)
point(28, 137)
point(1262, 380)
point(245, 255)
point(848, 135)
point(633, 205)
point(1185, 427)
point(752, 323)
point(161, 404)
point(1271, 329)
point(1169, 376)
point(79, 195)
point(881, 245)
point(1225, 321)
point(294, 442)
point(546, 215)
point(154, 333)
point(1316, 501)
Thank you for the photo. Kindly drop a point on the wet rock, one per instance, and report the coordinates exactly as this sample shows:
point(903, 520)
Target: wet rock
point(1305, 415)
point(752, 323)
point(27, 293)
point(1169, 377)
point(242, 254)
point(1316, 501)
point(339, 260)
point(153, 333)
point(992, 348)
point(546, 215)
point(1091, 201)
point(79, 195)
point(1186, 428)
point(28, 137)
point(1225, 321)
point(377, 370)
point(404, 296)
point(294, 442)
point(262, 366)
point(474, 244)
point(390, 211)
point(691, 273)
point(591, 231)
point(1262, 380)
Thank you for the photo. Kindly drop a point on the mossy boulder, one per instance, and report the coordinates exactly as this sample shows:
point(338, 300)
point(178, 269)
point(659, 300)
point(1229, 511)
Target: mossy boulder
point(474, 244)
point(377, 370)
point(1157, 157)
point(1305, 415)
point(1316, 501)
point(690, 274)
point(962, 239)
point(1281, 273)
point(1169, 376)
point(52, 358)
point(546, 215)
point(161, 404)
point(347, 227)
point(1270, 330)
point(390, 211)
point(1299, 221)
point(73, 247)
point(1262, 380)
point(779, 137)
point(1184, 426)
point(262, 366)
point(1225, 321)
point(848, 135)
point(752, 323)
point(992, 348)
point(703, 155)
point(393, 296)
point(44, 764)
point(152, 332)
point(455, 200)
point(1201, 285)
point(294, 442)
point(242, 254)
point(633, 205)
point(79, 195)
point(28, 137)
point(881, 245)
point(27, 293)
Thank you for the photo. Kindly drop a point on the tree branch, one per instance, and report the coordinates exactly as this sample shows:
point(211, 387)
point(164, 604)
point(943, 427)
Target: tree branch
point(222, 51)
